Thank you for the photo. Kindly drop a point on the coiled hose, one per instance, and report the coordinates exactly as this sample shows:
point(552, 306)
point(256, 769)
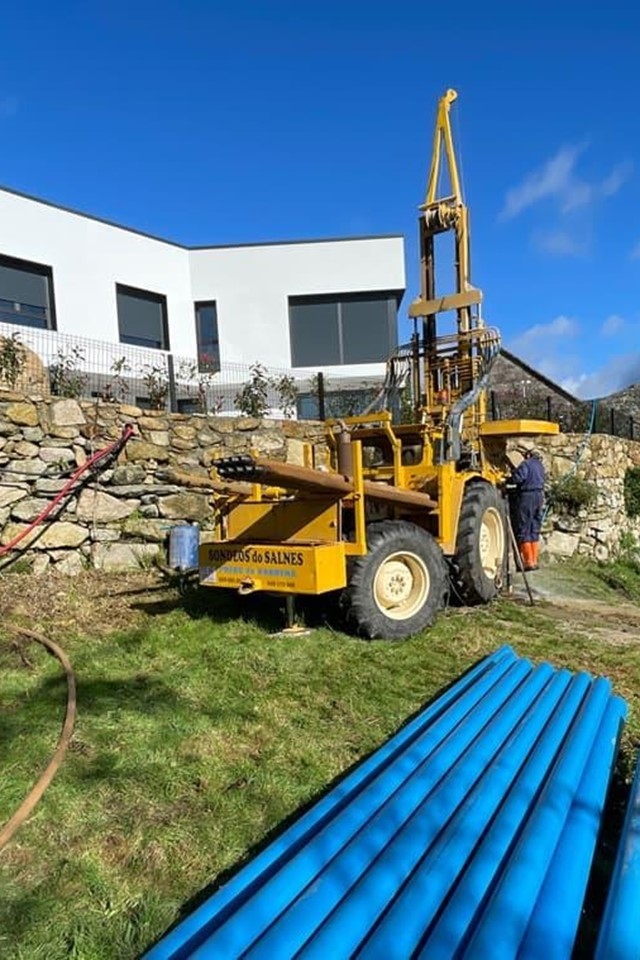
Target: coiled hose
point(28, 804)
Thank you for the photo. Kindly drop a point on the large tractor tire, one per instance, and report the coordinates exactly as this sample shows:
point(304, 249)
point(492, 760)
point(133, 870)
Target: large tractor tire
point(399, 586)
point(478, 564)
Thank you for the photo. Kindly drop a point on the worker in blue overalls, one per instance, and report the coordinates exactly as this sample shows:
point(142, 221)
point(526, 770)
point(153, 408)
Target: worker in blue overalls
point(529, 479)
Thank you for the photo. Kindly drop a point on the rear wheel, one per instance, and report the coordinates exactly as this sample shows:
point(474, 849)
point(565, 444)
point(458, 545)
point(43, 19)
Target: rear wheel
point(397, 589)
point(480, 547)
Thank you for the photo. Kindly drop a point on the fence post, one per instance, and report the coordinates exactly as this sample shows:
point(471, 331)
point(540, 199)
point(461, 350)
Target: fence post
point(613, 422)
point(321, 405)
point(173, 400)
point(549, 417)
point(494, 406)
point(630, 428)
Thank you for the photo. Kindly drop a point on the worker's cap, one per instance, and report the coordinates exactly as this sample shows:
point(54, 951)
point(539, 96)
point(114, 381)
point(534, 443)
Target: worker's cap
point(534, 453)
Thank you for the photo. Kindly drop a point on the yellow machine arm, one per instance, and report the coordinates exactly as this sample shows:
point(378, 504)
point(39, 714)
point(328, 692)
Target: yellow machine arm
point(452, 364)
point(443, 133)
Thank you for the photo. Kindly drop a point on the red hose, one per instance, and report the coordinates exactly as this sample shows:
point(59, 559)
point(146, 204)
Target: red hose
point(117, 445)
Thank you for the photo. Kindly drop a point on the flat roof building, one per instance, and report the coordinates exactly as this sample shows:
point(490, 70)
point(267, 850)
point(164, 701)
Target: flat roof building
point(327, 305)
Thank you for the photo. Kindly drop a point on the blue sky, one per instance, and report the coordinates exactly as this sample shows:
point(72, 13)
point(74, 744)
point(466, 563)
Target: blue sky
point(222, 122)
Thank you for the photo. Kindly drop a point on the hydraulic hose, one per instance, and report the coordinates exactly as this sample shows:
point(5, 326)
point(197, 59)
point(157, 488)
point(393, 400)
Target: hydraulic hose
point(28, 804)
point(105, 454)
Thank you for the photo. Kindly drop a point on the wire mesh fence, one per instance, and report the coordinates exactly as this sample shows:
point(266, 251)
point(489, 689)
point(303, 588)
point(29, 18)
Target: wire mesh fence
point(49, 363)
point(578, 416)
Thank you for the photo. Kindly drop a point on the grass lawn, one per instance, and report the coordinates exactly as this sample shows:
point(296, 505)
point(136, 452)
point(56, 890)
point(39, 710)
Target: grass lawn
point(198, 733)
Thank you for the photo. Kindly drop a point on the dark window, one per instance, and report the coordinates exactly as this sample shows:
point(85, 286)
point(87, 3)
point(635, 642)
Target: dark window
point(207, 337)
point(26, 294)
point(342, 328)
point(142, 318)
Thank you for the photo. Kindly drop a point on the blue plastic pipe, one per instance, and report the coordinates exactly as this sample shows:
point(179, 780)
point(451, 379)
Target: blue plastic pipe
point(504, 919)
point(560, 902)
point(411, 912)
point(361, 905)
point(476, 878)
point(619, 937)
point(179, 943)
point(361, 832)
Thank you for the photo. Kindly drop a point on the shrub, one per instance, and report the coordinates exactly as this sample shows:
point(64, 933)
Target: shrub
point(65, 376)
point(573, 493)
point(287, 391)
point(632, 491)
point(156, 381)
point(253, 398)
point(13, 358)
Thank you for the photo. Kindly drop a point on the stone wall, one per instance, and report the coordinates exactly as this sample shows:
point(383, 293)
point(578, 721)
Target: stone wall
point(121, 518)
point(595, 531)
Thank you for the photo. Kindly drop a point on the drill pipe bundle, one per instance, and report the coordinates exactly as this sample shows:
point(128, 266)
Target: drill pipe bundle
point(290, 476)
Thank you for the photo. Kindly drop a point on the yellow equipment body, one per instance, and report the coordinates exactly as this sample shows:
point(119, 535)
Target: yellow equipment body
point(281, 568)
point(401, 509)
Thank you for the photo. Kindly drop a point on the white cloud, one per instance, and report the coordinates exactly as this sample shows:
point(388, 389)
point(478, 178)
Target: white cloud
point(612, 325)
point(560, 243)
point(548, 347)
point(554, 179)
point(557, 179)
point(618, 373)
point(536, 338)
point(551, 349)
point(618, 176)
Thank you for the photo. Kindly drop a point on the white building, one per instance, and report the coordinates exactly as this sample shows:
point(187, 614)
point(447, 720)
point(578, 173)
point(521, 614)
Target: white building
point(327, 305)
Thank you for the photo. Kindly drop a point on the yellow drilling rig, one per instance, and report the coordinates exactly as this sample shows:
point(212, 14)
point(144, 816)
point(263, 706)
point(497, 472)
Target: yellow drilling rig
point(399, 513)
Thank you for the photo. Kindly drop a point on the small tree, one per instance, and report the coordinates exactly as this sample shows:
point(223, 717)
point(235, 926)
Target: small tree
point(632, 492)
point(157, 383)
point(65, 378)
point(287, 390)
point(13, 358)
point(117, 388)
point(253, 397)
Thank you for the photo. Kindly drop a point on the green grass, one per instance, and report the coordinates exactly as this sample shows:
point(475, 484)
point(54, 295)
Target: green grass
point(197, 736)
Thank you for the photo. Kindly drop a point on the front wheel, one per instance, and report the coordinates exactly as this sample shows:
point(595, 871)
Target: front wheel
point(479, 559)
point(398, 587)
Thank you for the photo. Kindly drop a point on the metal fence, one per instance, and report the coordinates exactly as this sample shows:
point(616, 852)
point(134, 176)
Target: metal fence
point(46, 362)
point(576, 417)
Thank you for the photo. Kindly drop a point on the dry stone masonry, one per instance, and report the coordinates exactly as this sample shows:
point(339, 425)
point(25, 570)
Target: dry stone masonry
point(595, 531)
point(121, 518)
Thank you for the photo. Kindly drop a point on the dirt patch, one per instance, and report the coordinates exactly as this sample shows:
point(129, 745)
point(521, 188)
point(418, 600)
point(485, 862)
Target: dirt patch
point(93, 603)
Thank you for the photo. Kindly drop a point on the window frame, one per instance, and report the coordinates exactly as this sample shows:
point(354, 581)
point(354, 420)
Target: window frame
point(39, 269)
point(354, 296)
point(197, 304)
point(151, 296)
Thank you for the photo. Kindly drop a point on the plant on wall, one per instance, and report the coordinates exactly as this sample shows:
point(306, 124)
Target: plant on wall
point(157, 383)
point(13, 358)
point(190, 372)
point(632, 492)
point(572, 494)
point(65, 376)
point(287, 391)
point(253, 397)
point(117, 387)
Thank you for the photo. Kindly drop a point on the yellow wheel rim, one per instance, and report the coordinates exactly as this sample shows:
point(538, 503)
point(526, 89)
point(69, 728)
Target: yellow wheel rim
point(401, 585)
point(491, 542)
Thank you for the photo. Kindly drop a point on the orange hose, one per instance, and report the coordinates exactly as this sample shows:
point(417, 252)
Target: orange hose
point(91, 462)
point(28, 804)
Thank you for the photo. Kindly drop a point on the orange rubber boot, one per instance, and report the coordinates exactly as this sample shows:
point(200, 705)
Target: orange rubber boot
point(525, 553)
point(535, 549)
